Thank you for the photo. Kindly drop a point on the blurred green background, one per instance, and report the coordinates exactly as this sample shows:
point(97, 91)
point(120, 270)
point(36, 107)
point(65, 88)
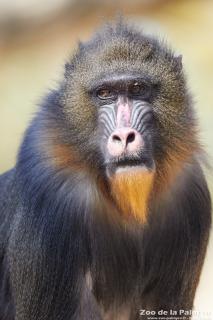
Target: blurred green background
point(36, 37)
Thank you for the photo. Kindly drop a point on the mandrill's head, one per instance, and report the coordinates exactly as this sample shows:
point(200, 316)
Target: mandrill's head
point(127, 116)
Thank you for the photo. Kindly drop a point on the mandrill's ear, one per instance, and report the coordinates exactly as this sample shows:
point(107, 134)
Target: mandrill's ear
point(178, 63)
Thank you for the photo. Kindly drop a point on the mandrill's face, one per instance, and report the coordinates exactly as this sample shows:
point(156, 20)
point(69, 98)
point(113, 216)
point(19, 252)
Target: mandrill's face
point(129, 119)
point(126, 122)
point(130, 115)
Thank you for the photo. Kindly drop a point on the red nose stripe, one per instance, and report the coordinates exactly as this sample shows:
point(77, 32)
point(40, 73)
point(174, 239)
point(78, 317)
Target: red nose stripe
point(123, 113)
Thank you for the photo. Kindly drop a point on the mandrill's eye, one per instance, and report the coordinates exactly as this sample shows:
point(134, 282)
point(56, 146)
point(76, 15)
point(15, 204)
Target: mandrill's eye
point(138, 89)
point(105, 93)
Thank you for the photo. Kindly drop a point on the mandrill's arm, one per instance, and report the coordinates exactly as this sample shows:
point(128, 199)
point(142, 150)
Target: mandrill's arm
point(49, 256)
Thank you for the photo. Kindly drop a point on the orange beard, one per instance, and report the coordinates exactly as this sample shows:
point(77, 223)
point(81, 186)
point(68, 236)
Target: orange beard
point(131, 191)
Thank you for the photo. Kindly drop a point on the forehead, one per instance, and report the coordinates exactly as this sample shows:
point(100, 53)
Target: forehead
point(119, 80)
point(120, 54)
point(118, 77)
point(104, 63)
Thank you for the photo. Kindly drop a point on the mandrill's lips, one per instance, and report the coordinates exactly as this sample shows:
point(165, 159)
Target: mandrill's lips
point(140, 161)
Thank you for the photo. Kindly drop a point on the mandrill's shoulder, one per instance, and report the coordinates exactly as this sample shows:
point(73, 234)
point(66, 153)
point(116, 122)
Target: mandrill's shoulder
point(6, 183)
point(191, 197)
point(8, 203)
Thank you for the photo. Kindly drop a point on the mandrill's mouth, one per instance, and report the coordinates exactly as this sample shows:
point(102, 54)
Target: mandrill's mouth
point(129, 163)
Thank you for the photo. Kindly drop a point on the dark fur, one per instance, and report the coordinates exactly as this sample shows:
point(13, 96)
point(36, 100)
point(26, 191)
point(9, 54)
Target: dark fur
point(56, 223)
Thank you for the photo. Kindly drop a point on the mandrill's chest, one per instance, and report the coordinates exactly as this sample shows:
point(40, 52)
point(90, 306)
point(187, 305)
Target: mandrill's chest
point(118, 235)
point(111, 312)
point(116, 274)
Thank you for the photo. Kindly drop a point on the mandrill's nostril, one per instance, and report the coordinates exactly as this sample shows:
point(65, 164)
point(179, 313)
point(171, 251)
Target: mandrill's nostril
point(116, 138)
point(130, 137)
point(124, 137)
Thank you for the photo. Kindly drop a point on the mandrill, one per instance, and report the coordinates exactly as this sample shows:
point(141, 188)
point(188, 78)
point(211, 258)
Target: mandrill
point(106, 215)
